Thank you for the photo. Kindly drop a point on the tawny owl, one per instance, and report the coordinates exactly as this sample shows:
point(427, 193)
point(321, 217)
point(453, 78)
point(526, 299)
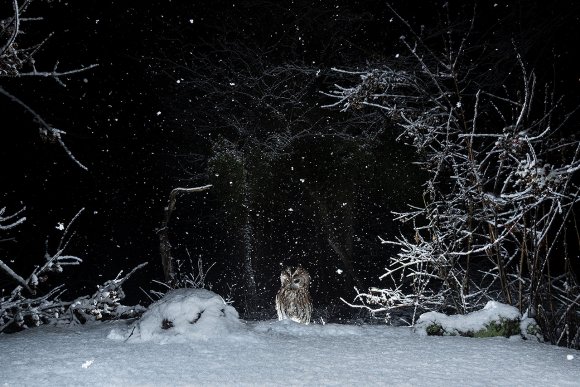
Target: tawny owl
point(293, 298)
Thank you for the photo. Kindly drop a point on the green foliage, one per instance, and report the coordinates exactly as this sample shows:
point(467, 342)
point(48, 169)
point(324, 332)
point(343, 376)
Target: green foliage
point(435, 330)
point(504, 327)
point(533, 329)
point(501, 328)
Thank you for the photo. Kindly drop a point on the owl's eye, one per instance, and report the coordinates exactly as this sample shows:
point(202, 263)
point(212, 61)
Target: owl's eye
point(296, 280)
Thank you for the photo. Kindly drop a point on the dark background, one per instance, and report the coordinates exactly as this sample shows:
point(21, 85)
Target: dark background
point(135, 156)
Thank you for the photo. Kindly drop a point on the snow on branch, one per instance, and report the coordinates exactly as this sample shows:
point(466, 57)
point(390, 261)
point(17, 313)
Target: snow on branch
point(53, 263)
point(105, 304)
point(7, 222)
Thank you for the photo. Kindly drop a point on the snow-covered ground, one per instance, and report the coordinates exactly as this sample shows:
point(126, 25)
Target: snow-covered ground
point(204, 344)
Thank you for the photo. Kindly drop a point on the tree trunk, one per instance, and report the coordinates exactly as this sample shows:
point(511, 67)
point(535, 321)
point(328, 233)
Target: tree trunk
point(164, 244)
point(249, 273)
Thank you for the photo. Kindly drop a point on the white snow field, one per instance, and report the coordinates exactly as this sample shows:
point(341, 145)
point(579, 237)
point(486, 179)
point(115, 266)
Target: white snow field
point(192, 338)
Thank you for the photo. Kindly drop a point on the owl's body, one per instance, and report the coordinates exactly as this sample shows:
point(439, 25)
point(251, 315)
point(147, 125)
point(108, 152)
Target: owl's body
point(293, 299)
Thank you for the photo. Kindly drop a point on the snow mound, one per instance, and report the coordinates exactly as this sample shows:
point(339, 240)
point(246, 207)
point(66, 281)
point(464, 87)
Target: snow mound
point(183, 315)
point(493, 314)
point(292, 328)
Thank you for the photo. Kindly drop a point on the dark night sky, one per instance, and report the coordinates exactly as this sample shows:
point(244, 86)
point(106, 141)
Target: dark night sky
point(110, 113)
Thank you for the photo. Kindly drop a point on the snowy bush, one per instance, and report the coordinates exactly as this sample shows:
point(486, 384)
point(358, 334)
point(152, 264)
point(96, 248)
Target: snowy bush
point(182, 315)
point(530, 329)
point(495, 319)
point(501, 189)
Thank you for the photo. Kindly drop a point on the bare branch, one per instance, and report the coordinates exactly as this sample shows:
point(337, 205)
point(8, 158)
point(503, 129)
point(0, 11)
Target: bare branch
point(56, 74)
point(51, 133)
point(15, 29)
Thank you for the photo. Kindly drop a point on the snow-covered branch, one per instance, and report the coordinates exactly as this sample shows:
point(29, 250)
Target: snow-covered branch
point(105, 304)
point(17, 61)
point(30, 304)
point(8, 222)
point(501, 185)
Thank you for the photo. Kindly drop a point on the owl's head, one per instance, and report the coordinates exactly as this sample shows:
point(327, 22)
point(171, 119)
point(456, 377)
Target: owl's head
point(295, 277)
